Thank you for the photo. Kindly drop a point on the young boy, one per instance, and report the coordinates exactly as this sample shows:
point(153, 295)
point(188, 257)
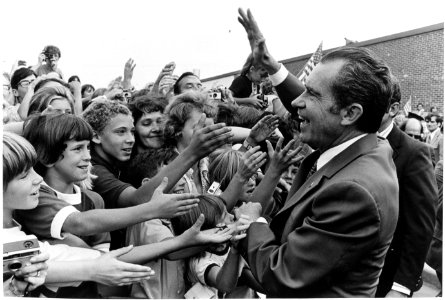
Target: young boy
point(67, 212)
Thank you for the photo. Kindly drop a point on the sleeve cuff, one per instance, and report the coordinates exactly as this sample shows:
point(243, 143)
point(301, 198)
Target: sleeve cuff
point(59, 219)
point(279, 76)
point(261, 220)
point(401, 289)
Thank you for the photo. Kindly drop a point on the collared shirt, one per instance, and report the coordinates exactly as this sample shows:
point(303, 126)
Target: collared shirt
point(385, 132)
point(329, 154)
point(279, 76)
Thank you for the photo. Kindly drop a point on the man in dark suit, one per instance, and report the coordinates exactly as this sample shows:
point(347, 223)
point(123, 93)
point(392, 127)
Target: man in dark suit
point(401, 274)
point(331, 236)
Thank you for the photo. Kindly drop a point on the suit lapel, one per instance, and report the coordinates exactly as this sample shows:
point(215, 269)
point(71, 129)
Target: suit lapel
point(395, 140)
point(360, 147)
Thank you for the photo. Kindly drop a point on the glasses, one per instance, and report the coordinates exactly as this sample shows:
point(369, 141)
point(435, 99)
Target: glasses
point(25, 83)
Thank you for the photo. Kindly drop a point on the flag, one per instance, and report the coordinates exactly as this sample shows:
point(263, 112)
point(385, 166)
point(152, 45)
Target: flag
point(311, 63)
point(407, 106)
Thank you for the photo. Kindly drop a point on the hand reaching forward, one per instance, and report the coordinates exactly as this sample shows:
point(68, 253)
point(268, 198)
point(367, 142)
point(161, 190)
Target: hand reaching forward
point(251, 161)
point(261, 55)
point(281, 159)
point(109, 270)
point(264, 128)
point(170, 205)
point(33, 274)
point(207, 138)
point(194, 235)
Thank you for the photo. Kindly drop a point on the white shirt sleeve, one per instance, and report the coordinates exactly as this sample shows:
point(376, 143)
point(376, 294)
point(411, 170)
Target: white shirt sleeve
point(279, 76)
point(59, 219)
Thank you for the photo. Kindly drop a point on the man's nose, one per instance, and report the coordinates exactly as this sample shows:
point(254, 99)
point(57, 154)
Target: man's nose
point(298, 103)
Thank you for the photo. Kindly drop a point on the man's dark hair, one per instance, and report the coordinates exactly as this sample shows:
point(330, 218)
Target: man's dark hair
point(176, 90)
point(364, 79)
point(85, 87)
point(439, 119)
point(50, 49)
point(147, 104)
point(20, 74)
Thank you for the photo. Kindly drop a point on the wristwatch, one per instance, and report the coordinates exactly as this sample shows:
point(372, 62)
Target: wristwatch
point(247, 145)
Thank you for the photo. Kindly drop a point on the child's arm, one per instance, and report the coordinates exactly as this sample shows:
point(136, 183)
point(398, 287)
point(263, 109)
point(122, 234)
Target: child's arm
point(104, 220)
point(225, 278)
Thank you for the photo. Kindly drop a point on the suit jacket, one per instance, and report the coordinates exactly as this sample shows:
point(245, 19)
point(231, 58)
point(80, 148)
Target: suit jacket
point(417, 196)
point(331, 236)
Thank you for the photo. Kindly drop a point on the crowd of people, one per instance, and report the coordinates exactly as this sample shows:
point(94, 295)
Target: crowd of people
point(267, 188)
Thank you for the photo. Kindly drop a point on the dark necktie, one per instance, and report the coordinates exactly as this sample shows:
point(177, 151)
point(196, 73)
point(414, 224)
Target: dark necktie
point(312, 170)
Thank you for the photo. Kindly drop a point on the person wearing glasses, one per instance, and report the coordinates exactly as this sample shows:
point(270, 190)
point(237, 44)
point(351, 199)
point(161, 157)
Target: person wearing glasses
point(20, 81)
point(48, 61)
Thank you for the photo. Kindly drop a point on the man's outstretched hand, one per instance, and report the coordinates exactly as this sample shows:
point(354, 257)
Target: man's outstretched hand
point(261, 55)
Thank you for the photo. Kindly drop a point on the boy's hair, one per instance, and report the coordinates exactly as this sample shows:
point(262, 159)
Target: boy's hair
point(18, 156)
point(147, 164)
point(100, 112)
point(223, 166)
point(210, 205)
point(20, 74)
point(146, 104)
point(176, 90)
point(85, 87)
point(50, 133)
point(41, 99)
point(42, 83)
point(50, 49)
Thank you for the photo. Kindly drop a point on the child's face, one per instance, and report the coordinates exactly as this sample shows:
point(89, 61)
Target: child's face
point(180, 187)
point(227, 218)
point(72, 165)
point(117, 138)
point(289, 174)
point(23, 191)
point(150, 128)
point(248, 189)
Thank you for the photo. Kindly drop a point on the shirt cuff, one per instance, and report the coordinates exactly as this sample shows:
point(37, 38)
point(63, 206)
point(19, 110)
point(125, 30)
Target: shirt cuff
point(401, 289)
point(261, 220)
point(279, 76)
point(59, 219)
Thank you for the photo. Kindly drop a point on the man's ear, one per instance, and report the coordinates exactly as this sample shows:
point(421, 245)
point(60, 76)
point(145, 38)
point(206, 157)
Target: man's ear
point(394, 109)
point(145, 180)
point(96, 138)
point(15, 92)
point(351, 114)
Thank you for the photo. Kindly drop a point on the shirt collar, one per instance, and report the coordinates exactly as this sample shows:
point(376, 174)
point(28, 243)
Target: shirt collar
point(329, 154)
point(385, 132)
point(72, 199)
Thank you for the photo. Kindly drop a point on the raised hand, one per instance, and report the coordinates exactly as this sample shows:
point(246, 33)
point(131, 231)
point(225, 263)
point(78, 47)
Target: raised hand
point(251, 161)
point(263, 128)
point(207, 138)
point(166, 71)
point(281, 159)
point(111, 271)
point(128, 69)
point(261, 55)
point(194, 235)
point(170, 205)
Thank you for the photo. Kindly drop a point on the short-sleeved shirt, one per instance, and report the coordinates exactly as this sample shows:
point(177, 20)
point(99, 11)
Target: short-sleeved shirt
point(168, 283)
point(199, 267)
point(241, 87)
point(109, 186)
point(47, 219)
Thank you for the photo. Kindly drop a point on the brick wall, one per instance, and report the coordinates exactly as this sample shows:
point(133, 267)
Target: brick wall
point(416, 58)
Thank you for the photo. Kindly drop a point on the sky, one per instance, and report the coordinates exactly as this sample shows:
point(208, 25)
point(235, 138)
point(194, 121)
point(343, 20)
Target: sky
point(97, 37)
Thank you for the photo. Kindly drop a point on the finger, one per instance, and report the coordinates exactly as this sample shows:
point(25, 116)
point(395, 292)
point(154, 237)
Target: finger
point(201, 122)
point(270, 149)
point(161, 187)
point(242, 227)
point(279, 144)
point(185, 196)
point(189, 205)
point(199, 222)
point(289, 145)
point(39, 258)
point(252, 151)
point(239, 237)
point(260, 157)
point(209, 129)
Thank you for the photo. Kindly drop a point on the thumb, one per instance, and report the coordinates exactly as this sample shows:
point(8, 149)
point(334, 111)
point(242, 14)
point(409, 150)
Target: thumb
point(161, 187)
point(199, 222)
point(201, 122)
point(120, 251)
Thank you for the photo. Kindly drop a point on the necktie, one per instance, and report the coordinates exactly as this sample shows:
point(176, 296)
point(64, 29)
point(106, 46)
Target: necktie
point(312, 170)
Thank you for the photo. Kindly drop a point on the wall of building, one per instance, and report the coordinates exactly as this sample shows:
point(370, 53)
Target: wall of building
point(416, 58)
